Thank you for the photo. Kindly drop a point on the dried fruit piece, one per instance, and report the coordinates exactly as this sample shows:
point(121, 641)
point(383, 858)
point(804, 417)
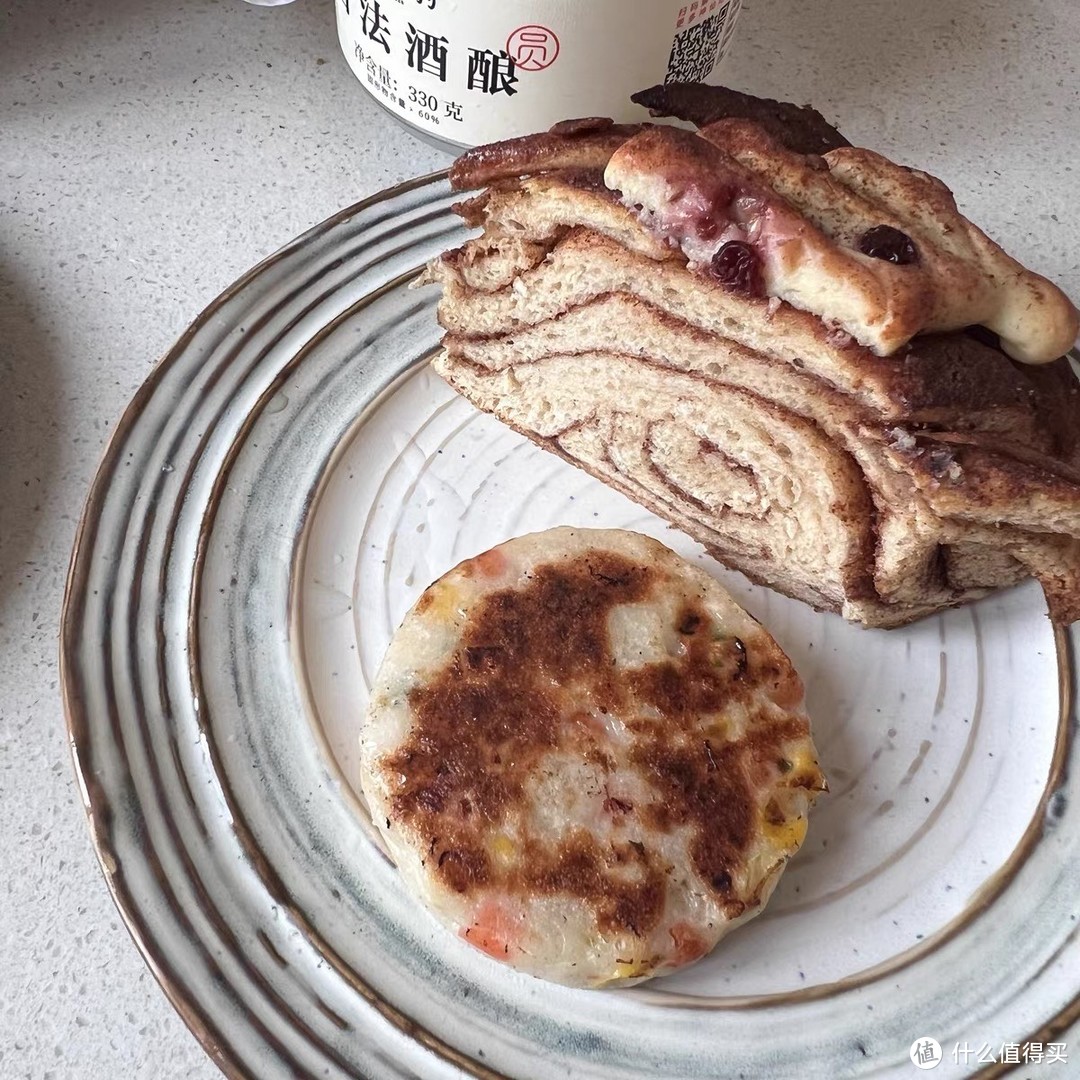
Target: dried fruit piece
point(892, 245)
point(737, 266)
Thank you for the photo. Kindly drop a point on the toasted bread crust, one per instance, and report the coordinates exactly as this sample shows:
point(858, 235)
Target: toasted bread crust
point(564, 147)
point(806, 219)
point(800, 128)
point(807, 216)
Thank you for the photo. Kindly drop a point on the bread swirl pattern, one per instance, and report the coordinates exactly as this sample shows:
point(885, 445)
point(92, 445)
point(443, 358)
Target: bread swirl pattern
point(882, 487)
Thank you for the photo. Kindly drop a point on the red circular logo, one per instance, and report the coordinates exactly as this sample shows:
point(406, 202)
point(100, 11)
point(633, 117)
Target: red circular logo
point(532, 48)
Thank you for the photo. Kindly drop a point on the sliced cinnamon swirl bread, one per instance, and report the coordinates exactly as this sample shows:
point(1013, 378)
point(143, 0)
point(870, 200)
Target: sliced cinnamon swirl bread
point(771, 349)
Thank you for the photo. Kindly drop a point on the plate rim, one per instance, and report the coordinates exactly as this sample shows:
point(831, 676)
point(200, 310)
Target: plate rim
point(982, 900)
point(186, 1003)
point(75, 583)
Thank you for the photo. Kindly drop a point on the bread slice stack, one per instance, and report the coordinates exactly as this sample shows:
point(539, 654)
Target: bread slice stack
point(794, 350)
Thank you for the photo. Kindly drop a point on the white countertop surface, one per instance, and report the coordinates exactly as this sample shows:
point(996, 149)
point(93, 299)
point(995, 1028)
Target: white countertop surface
point(153, 150)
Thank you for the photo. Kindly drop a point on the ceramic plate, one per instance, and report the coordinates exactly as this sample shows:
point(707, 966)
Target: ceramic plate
point(277, 495)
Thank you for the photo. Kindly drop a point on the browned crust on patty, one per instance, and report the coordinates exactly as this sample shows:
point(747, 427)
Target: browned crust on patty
point(485, 722)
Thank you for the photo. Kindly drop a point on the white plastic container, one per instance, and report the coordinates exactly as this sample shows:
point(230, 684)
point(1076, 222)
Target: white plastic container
point(471, 71)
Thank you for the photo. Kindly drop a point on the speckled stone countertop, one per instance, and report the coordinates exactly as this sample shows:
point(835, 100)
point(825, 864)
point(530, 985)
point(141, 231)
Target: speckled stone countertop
point(153, 150)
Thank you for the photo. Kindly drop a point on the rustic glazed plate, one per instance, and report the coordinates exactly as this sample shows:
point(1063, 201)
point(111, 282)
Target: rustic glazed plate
point(279, 492)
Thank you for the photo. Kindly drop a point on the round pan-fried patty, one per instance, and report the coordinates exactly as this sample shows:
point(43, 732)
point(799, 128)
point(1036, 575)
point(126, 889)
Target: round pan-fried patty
point(586, 758)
